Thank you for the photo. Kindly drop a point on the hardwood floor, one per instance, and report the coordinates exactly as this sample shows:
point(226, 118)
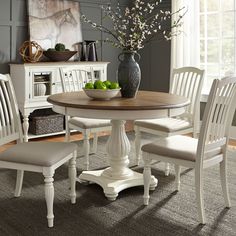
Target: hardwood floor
point(78, 136)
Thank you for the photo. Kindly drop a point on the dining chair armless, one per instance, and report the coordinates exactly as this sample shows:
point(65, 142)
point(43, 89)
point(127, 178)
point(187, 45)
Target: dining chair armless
point(43, 157)
point(72, 80)
point(199, 154)
point(187, 82)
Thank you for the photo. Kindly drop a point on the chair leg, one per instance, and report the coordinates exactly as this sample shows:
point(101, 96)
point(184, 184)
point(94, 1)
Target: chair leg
point(72, 176)
point(146, 178)
point(49, 196)
point(137, 143)
point(86, 147)
point(67, 136)
point(199, 196)
point(19, 181)
point(95, 143)
point(177, 177)
point(167, 169)
point(224, 183)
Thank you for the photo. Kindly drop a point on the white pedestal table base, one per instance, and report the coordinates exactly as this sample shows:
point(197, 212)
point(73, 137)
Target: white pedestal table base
point(118, 176)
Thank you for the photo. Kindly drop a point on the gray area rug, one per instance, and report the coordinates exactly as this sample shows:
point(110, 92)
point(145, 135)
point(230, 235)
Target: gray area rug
point(168, 213)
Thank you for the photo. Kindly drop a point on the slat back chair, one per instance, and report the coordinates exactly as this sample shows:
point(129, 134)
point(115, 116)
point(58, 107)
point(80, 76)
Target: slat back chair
point(187, 82)
point(210, 149)
point(44, 157)
point(74, 79)
point(9, 117)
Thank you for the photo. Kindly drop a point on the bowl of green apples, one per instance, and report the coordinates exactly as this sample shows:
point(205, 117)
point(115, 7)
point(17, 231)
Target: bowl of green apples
point(102, 90)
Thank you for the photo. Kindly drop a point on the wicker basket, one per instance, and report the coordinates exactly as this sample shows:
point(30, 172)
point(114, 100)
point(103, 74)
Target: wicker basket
point(46, 123)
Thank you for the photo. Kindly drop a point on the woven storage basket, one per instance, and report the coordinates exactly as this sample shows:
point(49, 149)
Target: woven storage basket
point(45, 124)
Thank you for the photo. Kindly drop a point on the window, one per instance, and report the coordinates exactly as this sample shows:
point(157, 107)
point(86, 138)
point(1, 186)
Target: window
point(217, 39)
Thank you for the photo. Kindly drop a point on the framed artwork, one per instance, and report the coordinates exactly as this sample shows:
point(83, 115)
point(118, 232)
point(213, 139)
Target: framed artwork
point(54, 21)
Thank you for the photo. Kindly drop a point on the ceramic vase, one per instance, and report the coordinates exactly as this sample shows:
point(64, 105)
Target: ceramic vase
point(129, 74)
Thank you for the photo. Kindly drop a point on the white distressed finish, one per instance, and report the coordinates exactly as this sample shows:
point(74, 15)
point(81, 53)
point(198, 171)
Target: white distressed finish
point(74, 80)
point(10, 130)
point(118, 176)
point(23, 80)
point(214, 133)
point(187, 82)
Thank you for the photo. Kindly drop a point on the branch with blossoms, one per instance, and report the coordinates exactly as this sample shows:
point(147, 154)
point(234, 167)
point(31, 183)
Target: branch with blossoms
point(135, 26)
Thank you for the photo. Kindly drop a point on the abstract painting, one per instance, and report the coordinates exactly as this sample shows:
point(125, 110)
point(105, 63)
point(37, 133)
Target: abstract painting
point(54, 21)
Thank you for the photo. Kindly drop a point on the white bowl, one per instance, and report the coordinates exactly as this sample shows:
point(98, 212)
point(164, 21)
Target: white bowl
point(101, 94)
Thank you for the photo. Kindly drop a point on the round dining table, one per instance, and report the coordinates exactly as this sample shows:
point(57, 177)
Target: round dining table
point(146, 105)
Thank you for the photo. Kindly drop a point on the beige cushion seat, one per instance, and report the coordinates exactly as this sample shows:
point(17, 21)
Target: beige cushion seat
point(164, 124)
point(38, 153)
point(86, 123)
point(178, 147)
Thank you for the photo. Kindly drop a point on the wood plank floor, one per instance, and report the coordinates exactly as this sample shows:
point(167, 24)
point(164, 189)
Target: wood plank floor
point(78, 136)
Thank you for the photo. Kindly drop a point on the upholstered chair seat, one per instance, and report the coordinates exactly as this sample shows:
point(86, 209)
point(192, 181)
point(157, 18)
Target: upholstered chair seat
point(86, 123)
point(165, 124)
point(178, 147)
point(38, 153)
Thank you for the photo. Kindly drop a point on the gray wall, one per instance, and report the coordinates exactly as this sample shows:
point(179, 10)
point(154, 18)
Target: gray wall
point(14, 31)
point(155, 62)
point(155, 57)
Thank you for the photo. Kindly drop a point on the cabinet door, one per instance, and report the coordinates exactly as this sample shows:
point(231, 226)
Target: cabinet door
point(56, 82)
point(41, 83)
point(99, 73)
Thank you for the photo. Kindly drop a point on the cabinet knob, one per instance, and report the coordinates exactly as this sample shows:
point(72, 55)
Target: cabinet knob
point(53, 83)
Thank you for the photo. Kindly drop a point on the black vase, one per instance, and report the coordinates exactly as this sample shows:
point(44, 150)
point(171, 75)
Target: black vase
point(129, 74)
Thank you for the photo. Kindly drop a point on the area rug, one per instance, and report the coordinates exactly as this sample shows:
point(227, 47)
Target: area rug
point(169, 213)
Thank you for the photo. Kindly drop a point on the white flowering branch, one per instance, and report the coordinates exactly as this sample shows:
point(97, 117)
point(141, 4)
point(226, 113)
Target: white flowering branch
point(135, 26)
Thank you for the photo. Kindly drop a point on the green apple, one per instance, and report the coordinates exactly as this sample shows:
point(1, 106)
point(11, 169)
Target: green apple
point(107, 83)
point(114, 85)
point(101, 86)
point(98, 83)
point(89, 85)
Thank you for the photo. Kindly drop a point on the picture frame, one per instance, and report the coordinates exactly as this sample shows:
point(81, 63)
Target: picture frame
point(54, 21)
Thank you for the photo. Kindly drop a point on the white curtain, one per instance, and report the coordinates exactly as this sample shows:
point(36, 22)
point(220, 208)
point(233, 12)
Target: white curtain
point(185, 48)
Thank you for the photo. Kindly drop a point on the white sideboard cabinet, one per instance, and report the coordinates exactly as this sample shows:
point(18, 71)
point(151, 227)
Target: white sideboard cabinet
point(34, 82)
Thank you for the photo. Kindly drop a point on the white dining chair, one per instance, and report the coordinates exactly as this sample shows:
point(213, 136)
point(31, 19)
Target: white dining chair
point(72, 80)
point(42, 157)
point(187, 82)
point(199, 154)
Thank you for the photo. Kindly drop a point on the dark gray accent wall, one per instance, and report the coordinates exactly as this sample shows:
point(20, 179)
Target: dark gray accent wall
point(155, 62)
point(14, 31)
point(155, 57)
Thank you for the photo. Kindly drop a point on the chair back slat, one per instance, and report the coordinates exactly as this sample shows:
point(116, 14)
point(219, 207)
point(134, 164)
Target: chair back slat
point(10, 125)
point(218, 115)
point(74, 79)
point(187, 82)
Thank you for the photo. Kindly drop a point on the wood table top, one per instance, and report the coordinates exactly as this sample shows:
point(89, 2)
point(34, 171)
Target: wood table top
point(145, 100)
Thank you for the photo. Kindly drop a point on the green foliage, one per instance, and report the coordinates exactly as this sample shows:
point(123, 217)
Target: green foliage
point(60, 47)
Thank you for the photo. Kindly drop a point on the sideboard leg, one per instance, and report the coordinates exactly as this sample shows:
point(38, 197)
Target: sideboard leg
point(26, 127)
